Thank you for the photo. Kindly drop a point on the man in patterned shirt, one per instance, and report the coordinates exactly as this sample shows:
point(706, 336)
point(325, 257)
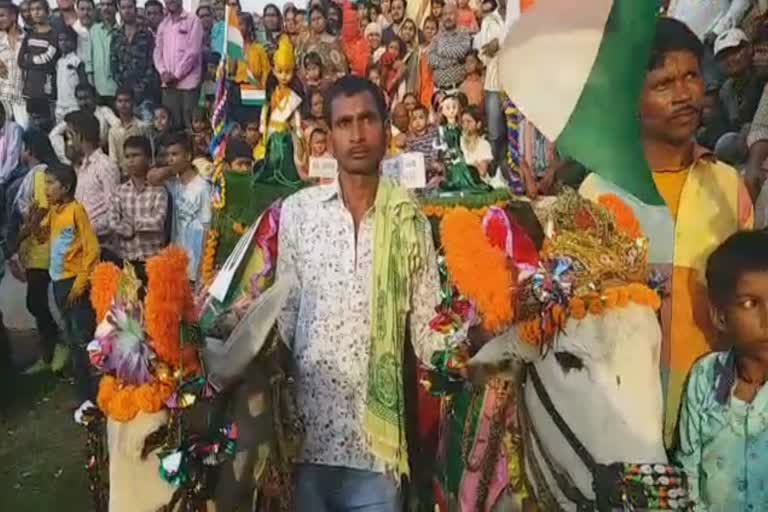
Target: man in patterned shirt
point(138, 210)
point(326, 240)
point(449, 48)
point(131, 56)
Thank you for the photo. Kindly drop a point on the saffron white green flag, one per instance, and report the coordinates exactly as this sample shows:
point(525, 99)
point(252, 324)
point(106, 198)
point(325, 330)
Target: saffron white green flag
point(575, 69)
point(234, 38)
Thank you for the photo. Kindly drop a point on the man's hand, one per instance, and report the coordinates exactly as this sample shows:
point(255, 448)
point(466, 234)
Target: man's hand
point(167, 78)
point(125, 230)
point(3, 71)
point(76, 292)
point(157, 175)
point(17, 270)
point(709, 39)
point(491, 49)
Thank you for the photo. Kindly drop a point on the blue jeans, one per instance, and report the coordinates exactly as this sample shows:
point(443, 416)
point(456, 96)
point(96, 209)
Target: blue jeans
point(335, 489)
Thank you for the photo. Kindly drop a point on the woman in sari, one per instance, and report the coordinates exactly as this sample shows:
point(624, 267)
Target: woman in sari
point(273, 26)
point(324, 44)
point(426, 83)
point(252, 71)
point(409, 36)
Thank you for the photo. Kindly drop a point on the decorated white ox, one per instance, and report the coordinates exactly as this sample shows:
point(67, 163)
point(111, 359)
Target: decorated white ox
point(588, 337)
point(593, 398)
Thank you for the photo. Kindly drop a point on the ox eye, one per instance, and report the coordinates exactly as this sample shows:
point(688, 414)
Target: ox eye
point(568, 361)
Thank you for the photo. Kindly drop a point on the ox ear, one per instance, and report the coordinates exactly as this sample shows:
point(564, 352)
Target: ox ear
point(503, 348)
point(227, 361)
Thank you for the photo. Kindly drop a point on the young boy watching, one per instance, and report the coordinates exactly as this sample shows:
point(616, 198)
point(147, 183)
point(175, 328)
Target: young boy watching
point(74, 254)
point(190, 197)
point(722, 430)
point(239, 156)
point(137, 209)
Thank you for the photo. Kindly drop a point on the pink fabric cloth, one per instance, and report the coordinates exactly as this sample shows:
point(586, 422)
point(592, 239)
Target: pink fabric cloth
point(179, 49)
point(470, 481)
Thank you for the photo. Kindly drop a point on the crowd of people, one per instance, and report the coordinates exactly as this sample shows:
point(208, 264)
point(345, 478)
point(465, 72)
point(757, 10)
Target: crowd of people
point(105, 135)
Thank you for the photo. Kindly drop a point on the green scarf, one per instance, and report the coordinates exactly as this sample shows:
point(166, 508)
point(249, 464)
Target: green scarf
point(398, 255)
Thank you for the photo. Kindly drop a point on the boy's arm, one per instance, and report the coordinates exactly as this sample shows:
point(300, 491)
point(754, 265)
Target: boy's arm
point(117, 223)
point(688, 453)
point(57, 141)
point(82, 76)
point(160, 175)
point(91, 251)
point(153, 219)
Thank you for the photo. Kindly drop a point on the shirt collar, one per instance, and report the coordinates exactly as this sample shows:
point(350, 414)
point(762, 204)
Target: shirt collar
point(725, 376)
point(330, 191)
point(92, 158)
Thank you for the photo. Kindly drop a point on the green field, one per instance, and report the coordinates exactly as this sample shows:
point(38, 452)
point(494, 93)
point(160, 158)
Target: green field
point(42, 453)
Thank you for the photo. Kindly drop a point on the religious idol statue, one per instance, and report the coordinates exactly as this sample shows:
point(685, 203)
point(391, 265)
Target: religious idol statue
point(281, 122)
point(458, 175)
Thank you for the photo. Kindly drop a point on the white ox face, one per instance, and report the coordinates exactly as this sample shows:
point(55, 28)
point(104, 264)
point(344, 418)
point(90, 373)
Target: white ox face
point(602, 374)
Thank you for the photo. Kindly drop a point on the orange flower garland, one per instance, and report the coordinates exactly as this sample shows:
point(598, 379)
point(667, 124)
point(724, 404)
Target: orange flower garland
point(441, 211)
point(104, 281)
point(478, 269)
point(169, 299)
point(209, 257)
point(123, 403)
point(536, 331)
point(625, 218)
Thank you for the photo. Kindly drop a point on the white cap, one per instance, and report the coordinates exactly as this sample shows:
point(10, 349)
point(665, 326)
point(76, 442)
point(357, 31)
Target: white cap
point(731, 38)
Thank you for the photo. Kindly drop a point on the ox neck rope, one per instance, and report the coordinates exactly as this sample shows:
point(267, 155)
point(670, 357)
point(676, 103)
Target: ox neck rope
point(618, 485)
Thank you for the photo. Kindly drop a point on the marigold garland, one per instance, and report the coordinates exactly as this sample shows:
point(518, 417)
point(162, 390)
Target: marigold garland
point(168, 301)
point(625, 218)
point(540, 330)
point(437, 211)
point(104, 282)
point(208, 270)
point(479, 270)
point(123, 403)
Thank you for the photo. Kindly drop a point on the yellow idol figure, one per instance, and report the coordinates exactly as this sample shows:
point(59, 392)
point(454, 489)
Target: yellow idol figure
point(281, 123)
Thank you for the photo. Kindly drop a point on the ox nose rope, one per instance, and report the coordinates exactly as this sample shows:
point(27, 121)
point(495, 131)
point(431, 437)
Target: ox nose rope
point(619, 485)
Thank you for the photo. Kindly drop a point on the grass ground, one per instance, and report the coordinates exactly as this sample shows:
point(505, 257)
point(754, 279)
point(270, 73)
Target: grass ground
point(41, 448)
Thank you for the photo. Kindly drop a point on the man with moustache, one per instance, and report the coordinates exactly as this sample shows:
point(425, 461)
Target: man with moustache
point(705, 202)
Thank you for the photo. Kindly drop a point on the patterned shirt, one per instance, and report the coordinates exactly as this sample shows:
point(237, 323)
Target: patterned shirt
point(131, 61)
point(723, 440)
point(327, 321)
point(138, 218)
point(10, 87)
point(97, 178)
point(446, 56)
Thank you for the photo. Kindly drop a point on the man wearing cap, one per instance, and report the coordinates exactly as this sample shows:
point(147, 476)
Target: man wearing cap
point(740, 94)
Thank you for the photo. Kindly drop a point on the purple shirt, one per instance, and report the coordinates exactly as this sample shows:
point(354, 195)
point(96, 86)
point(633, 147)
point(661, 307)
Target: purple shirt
point(178, 49)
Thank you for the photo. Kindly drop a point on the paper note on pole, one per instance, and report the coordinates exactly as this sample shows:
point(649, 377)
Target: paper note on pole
point(407, 169)
point(323, 167)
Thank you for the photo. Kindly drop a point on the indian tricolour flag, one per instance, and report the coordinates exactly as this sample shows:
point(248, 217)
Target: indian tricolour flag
point(251, 96)
point(234, 38)
point(575, 69)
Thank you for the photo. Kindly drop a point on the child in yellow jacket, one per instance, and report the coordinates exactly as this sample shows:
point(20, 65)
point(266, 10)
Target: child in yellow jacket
point(74, 254)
